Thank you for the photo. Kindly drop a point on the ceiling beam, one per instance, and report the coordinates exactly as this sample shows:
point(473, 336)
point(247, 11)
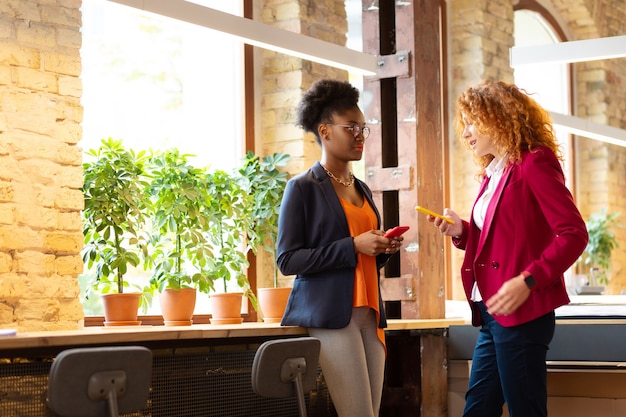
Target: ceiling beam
point(569, 52)
point(259, 34)
point(573, 51)
point(589, 129)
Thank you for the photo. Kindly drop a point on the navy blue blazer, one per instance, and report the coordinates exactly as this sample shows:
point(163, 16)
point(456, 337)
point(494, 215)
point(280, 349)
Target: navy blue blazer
point(314, 243)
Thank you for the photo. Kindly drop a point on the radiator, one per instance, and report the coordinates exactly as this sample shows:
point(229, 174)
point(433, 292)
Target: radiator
point(186, 382)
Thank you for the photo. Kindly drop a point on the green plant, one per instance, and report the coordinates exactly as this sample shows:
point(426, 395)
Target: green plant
point(602, 241)
point(179, 244)
point(266, 183)
point(230, 209)
point(114, 216)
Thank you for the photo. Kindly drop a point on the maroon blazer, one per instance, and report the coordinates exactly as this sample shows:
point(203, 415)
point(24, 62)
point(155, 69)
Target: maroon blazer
point(531, 224)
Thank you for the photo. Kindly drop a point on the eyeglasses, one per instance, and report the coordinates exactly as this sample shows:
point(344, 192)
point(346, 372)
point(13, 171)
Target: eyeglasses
point(355, 129)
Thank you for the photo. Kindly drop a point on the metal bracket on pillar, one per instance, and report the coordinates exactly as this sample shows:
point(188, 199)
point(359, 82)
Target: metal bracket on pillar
point(388, 179)
point(392, 66)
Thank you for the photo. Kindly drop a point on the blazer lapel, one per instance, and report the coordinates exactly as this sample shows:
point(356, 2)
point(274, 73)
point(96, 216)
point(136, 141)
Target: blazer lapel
point(331, 198)
point(493, 205)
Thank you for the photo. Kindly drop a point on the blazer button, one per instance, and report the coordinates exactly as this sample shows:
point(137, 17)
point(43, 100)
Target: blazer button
point(495, 265)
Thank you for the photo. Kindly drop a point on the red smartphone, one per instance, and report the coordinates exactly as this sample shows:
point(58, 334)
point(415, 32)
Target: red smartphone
point(396, 231)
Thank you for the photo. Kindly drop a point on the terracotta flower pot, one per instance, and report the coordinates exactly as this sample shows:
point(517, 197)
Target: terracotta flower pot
point(226, 308)
point(121, 309)
point(272, 303)
point(177, 306)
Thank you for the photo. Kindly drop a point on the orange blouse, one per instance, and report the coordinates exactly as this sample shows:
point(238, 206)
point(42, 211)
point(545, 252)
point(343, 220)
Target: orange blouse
point(361, 220)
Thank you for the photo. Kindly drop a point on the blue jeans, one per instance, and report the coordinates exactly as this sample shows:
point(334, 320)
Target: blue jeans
point(509, 365)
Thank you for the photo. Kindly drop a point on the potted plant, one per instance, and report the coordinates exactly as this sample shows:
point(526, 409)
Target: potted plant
point(597, 255)
point(113, 226)
point(229, 207)
point(179, 245)
point(266, 183)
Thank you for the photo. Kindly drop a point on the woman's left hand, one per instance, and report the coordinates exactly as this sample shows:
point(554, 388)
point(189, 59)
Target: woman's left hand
point(509, 297)
point(374, 242)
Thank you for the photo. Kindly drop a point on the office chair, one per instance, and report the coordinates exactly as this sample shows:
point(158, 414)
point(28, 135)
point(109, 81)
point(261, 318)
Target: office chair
point(100, 381)
point(286, 367)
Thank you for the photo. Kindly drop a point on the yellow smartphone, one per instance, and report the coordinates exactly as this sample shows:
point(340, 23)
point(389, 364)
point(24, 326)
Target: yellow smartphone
point(432, 213)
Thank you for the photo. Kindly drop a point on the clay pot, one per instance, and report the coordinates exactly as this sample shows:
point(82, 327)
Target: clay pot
point(272, 303)
point(177, 306)
point(226, 308)
point(121, 309)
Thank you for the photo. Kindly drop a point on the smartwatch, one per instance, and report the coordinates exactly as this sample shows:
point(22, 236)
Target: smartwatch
point(530, 282)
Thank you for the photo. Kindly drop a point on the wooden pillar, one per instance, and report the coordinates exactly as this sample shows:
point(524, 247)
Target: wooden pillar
point(404, 165)
point(405, 154)
point(434, 373)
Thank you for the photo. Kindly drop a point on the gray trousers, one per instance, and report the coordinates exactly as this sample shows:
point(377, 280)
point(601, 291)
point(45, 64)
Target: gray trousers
point(353, 363)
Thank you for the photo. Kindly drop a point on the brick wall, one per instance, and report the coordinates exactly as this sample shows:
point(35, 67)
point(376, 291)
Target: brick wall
point(40, 165)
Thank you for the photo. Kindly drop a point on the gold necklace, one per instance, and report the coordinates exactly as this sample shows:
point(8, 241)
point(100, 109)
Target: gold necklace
point(339, 180)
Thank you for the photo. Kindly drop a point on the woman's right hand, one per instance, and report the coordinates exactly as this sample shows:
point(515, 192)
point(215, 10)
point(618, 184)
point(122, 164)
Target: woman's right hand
point(446, 228)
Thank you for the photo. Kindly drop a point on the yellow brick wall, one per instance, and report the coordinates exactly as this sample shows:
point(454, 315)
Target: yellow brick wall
point(40, 165)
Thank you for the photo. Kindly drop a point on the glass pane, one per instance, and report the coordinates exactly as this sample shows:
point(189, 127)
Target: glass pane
point(548, 83)
point(159, 83)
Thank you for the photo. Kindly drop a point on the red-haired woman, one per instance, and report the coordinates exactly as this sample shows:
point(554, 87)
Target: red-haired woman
point(524, 232)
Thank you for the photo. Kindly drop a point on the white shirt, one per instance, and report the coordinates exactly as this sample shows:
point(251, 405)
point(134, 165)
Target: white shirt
point(494, 172)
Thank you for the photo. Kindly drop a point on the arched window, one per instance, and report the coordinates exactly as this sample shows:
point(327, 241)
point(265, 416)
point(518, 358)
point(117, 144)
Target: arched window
point(548, 83)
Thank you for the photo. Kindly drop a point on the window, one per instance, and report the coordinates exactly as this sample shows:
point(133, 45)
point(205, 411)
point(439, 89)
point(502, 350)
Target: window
point(548, 83)
point(158, 83)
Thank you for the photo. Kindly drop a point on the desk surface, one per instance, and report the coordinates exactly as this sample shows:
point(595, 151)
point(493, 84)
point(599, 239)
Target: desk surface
point(130, 334)
point(588, 340)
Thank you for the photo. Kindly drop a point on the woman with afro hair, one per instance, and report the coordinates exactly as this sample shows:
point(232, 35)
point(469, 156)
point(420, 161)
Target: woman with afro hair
point(330, 238)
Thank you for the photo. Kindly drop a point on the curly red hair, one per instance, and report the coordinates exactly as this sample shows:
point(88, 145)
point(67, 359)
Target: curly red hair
point(513, 120)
